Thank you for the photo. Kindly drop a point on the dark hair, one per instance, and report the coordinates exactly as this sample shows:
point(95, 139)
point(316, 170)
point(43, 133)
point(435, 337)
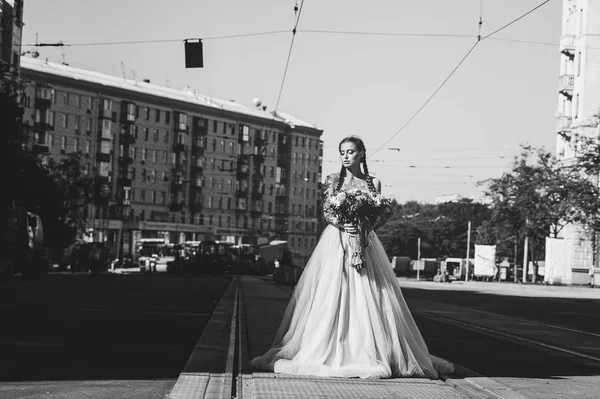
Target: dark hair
point(360, 145)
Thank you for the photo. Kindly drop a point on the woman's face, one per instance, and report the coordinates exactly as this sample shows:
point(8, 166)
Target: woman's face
point(350, 155)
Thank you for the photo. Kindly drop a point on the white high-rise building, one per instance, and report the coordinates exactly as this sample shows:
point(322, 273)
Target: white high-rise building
point(578, 106)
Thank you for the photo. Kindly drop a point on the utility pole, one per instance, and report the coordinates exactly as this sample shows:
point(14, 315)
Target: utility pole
point(525, 249)
point(418, 258)
point(468, 252)
point(516, 274)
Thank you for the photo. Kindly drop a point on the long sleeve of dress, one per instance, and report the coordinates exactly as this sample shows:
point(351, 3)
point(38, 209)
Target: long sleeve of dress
point(328, 189)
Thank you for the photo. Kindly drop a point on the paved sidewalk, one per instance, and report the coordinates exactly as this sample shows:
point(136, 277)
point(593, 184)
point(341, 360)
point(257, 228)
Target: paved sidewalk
point(507, 288)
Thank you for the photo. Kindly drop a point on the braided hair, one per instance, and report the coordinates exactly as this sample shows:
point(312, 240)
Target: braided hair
point(360, 146)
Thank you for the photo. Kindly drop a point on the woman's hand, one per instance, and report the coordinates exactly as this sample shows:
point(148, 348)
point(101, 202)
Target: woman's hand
point(350, 228)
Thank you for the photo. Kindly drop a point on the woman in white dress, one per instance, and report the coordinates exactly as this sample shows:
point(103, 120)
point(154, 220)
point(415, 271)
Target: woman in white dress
point(345, 322)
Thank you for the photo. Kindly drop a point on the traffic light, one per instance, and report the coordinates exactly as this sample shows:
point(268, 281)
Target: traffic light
point(193, 53)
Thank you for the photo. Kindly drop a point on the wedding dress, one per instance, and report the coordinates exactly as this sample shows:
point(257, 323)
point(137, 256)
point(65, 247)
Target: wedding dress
point(340, 323)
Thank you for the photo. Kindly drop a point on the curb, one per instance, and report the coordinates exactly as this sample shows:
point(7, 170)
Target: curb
point(204, 374)
point(477, 386)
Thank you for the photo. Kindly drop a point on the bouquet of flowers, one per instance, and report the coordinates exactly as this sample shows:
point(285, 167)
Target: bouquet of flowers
point(361, 208)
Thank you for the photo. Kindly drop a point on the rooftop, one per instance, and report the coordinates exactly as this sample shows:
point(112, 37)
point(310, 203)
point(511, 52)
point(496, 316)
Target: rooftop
point(187, 95)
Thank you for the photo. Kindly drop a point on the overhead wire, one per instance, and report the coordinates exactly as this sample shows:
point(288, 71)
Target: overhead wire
point(479, 39)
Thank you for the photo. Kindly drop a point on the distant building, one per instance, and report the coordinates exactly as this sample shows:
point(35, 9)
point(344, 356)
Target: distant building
point(177, 164)
point(11, 28)
point(578, 105)
point(477, 198)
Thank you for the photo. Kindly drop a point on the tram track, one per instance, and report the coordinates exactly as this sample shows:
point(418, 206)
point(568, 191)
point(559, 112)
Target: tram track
point(546, 337)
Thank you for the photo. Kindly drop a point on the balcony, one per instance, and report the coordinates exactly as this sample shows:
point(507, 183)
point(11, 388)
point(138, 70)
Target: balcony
point(179, 147)
point(197, 151)
point(280, 209)
point(256, 195)
point(259, 142)
point(258, 159)
point(127, 160)
point(126, 138)
point(124, 182)
point(567, 45)
point(42, 102)
point(176, 184)
point(102, 157)
point(40, 148)
point(242, 192)
point(107, 114)
point(565, 85)
point(42, 127)
point(177, 206)
point(563, 123)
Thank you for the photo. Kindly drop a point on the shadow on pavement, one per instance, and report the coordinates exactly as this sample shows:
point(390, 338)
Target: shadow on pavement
point(81, 327)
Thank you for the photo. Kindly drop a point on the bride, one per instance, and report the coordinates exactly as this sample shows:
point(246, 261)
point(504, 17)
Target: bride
point(346, 322)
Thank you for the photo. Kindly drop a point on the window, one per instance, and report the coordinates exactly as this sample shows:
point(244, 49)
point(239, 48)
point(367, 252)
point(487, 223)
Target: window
point(146, 133)
point(50, 118)
point(76, 145)
point(578, 63)
point(45, 93)
point(131, 112)
point(77, 122)
point(168, 117)
point(76, 100)
point(166, 139)
point(107, 104)
point(65, 121)
point(144, 154)
point(144, 174)
point(155, 135)
point(63, 143)
point(181, 121)
point(147, 113)
point(157, 115)
point(153, 175)
point(50, 140)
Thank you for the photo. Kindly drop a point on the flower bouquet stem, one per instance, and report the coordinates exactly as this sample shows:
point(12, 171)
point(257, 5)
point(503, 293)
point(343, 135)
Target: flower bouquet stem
point(359, 242)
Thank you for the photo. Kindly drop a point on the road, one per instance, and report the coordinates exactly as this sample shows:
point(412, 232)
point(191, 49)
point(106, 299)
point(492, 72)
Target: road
point(542, 342)
point(101, 336)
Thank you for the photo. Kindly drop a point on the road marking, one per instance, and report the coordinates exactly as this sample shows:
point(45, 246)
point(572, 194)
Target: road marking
point(540, 323)
point(449, 320)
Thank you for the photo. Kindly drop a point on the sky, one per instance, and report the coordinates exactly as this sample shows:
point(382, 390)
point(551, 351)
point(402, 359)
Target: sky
point(503, 95)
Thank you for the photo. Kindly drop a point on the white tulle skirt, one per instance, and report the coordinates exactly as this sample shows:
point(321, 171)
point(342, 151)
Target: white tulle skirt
point(340, 323)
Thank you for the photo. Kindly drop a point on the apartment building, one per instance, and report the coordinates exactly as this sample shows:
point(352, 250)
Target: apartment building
point(578, 106)
point(11, 29)
point(178, 164)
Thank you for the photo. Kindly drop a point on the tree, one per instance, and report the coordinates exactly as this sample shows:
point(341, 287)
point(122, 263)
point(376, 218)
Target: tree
point(56, 191)
point(536, 199)
point(441, 228)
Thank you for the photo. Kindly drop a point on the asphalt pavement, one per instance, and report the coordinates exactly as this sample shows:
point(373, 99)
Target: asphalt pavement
point(113, 336)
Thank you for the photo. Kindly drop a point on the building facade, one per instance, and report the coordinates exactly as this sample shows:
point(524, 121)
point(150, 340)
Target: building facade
point(11, 28)
point(578, 106)
point(177, 164)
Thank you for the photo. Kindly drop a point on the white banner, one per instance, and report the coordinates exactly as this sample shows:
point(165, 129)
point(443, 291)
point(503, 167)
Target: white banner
point(558, 261)
point(485, 260)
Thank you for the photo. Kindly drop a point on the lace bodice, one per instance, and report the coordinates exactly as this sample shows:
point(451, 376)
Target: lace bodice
point(351, 182)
